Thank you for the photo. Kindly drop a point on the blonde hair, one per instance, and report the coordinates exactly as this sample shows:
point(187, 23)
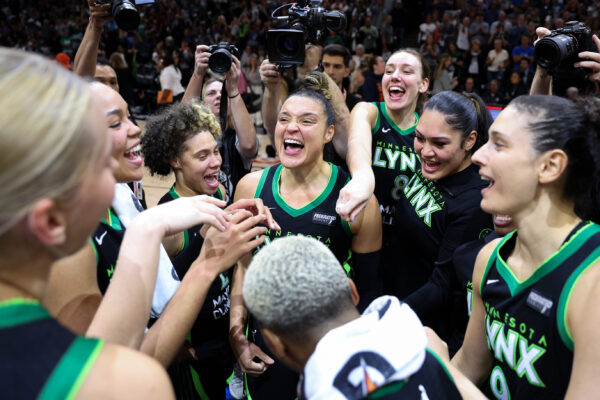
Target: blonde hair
point(45, 147)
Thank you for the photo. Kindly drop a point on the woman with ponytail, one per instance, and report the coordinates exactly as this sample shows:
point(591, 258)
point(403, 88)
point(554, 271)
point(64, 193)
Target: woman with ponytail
point(533, 331)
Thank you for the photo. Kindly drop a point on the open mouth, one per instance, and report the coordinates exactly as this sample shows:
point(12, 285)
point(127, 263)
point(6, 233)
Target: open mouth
point(396, 92)
point(430, 166)
point(292, 146)
point(134, 155)
point(502, 220)
point(212, 180)
point(489, 186)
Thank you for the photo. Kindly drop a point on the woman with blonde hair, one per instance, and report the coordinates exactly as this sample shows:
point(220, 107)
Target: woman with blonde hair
point(443, 77)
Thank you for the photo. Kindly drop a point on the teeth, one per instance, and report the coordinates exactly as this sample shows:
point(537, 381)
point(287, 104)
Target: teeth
point(136, 149)
point(503, 218)
point(483, 178)
point(293, 141)
point(397, 90)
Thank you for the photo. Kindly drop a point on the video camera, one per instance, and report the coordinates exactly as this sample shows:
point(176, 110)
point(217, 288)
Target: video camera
point(558, 52)
point(220, 58)
point(305, 21)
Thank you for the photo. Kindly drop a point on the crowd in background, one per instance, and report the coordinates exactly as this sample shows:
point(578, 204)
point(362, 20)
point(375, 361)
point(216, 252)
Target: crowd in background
point(472, 46)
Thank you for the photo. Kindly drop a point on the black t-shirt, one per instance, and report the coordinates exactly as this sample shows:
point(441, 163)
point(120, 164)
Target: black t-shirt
point(432, 220)
point(232, 168)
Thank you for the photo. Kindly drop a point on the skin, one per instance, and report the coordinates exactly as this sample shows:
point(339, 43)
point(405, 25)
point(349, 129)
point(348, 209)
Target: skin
point(403, 71)
point(439, 146)
point(529, 186)
point(304, 177)
point(335, 68)
point(106, 74)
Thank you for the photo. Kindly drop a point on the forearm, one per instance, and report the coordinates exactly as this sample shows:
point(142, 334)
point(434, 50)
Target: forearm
point(244, 127)
point(164, 339)
point(359, 157)
point(87, 53)
point(125, 309)
point(194, 88)
point(542, 82)
point(238, 313)
point(269, 109)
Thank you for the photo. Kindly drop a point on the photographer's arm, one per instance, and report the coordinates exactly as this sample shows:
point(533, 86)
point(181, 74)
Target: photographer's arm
point(542, 81)
point(592, 61)
point(87, 53)
point(273, 95)
point(194, 87)
point(244, 127)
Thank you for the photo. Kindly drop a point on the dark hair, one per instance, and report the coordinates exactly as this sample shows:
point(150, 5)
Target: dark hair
point(320, 98)
point(337, 50)
point(463, 112)
point(167, 132)
point(574, 127)
point(425, 73)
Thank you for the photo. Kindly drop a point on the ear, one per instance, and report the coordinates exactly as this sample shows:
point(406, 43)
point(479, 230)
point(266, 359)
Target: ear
point(424, 85)
point(553, 164)
point(329, 133)
point(347, 72)
point(175, 163)
point(470, 141)
point(353, 292)
point(47, 223)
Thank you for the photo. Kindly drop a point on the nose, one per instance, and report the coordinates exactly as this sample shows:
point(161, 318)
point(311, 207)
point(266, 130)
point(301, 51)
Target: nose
point(215, 160)
point(427, 149)
point(479, 156)
point(134, 130)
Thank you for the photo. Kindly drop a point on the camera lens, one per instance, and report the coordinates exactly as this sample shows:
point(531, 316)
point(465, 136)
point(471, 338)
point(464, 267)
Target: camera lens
point(287, 45)
point(126, 15)
point(220, 61)
point(551, 51)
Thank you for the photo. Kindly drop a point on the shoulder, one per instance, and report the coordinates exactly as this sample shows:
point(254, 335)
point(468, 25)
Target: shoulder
point(481, 262)
point(131, 374)
point(247, 185)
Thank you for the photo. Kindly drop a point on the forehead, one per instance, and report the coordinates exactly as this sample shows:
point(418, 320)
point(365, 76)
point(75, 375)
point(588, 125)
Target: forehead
point(333, 59)
point(216, 85)
point(105, 71)
point(404, 58)
point(202, 139)
point(108, 97)
point(301, 104)
point(433, 123)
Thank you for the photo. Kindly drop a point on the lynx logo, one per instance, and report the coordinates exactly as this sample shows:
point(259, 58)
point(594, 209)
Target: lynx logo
point(323, 219)
point(362, 374)
point(539, 303)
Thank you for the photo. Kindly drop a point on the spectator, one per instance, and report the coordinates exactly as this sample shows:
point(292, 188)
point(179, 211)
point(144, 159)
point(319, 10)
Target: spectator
point(369, 35)
point(388, 38)
point(475, 63)
point(501, 22)
point(469, 86)
point(514, 88)
point(497, 62)
point(462, 40)
point(170, 77)
point(479, 29)
point(524, 50)
point(444, 75)
point(446, 32)
point(526, 72)
point(357, 57)
point(517, 31)
point(336, 64)
point(430, 51)
point(499, 33)
point(399, 21)
point(493, 95)
point(426, 28)
point(372, 90)
point(126, 80)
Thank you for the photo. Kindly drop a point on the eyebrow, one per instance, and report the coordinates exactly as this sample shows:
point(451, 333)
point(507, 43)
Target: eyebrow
point(444, 138)
point(302, 115)
point(496, 133)
point(116, 111)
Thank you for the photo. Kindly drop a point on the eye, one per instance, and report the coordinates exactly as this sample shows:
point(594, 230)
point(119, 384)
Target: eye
point(115, 125)
point(440, 144)
point(419, 138)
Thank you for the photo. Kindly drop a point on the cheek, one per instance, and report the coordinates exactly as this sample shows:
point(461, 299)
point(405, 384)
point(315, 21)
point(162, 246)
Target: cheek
point(119, 141)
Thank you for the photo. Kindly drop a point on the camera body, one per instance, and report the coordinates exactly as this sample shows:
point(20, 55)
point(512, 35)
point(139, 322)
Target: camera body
point(220, 57)
point(124, 12)
point(306, 21)
point(558, 52)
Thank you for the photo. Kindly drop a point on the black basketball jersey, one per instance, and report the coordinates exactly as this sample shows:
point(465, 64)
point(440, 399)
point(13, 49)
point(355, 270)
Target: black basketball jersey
point(39, 358)
point(525, 322)
point(394, 162)
point(432, 381)
point(318, 219)
point(106, 242)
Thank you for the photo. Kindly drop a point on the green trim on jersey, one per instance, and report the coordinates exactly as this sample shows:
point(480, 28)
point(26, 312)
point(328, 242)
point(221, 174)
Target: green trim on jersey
point(113, 220)
point(261, 182)
point(68, 376)
point(95, 250)
point(198, 384)
point(550, 264)
point(387, 390)
point(565, 297)
point(490, 260)
point(377, 121)
point(19, 311)
point(346, 264)
point(442, 364)
point(296, 212)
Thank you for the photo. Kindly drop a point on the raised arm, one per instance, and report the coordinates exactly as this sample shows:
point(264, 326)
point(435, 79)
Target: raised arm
point(356, 194)
point(274, 94)
point(194, 87)
point(342, 119)
point(244, 127)
point(87, 53)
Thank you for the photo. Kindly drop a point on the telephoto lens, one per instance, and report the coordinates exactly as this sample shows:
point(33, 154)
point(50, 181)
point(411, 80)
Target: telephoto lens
point(126, 15)
point(549, 52)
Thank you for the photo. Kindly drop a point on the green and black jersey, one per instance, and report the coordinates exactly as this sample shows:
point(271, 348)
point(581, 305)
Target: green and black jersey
point(318, 219)
point(394, 162)
point(526, 321)
point(39, 357)
point(107, 242)
point(205, 378)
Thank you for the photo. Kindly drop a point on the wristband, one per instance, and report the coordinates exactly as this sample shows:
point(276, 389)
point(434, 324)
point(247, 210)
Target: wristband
point(234, 96)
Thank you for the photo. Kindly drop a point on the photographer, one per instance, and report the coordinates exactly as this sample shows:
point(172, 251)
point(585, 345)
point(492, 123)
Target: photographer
point(239, 144)
point(542, 81)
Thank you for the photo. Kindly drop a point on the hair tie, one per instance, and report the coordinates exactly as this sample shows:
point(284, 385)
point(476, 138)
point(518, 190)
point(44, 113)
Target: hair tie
point(476, 104)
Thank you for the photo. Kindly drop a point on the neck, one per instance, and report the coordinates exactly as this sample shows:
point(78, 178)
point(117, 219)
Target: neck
point(542, 228)
point(404, 118)
point(182, 189)
point(310, 176)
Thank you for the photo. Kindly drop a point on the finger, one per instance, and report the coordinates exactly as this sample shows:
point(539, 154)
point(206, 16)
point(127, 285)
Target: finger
point(357, 210)
point(211, 200)
point(253, 244)
point(251, 222)
point(256, 232)
point(201, 48)
point(590, 55)
point(593, 65)
point(261, 354)
point(239, 215)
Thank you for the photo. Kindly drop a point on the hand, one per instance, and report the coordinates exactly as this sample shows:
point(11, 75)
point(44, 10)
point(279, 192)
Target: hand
point(222, 249)
point(245, 352)
point(201, 60)
point(435, 343)
point(269, 75)
point(354, 197)
point(256, 207)
point(541, 33)
point(99, 13)
point(232, 76)
point(186, 212)
point(594, 61)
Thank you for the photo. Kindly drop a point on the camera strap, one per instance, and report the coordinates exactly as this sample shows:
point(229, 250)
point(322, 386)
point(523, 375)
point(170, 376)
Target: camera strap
point(223, 107)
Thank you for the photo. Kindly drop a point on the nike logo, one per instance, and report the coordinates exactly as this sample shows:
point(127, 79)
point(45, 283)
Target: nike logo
point(100, 239)
point(423, 393)
point(386, 130)
point(491, 281)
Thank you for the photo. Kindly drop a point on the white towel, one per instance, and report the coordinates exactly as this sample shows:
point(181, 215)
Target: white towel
point(127, 206)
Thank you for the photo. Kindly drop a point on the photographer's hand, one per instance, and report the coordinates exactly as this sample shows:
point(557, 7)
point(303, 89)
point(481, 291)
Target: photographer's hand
point(269, 75)
point(99, 14)
point(593, 61)
point(232, 76)
point(194, 87)
point(542, 81)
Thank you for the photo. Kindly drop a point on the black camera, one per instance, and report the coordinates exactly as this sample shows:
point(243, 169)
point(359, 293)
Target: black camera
point(124, 12)
point(305, 22)
point(220, 58)
point(558, 52)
